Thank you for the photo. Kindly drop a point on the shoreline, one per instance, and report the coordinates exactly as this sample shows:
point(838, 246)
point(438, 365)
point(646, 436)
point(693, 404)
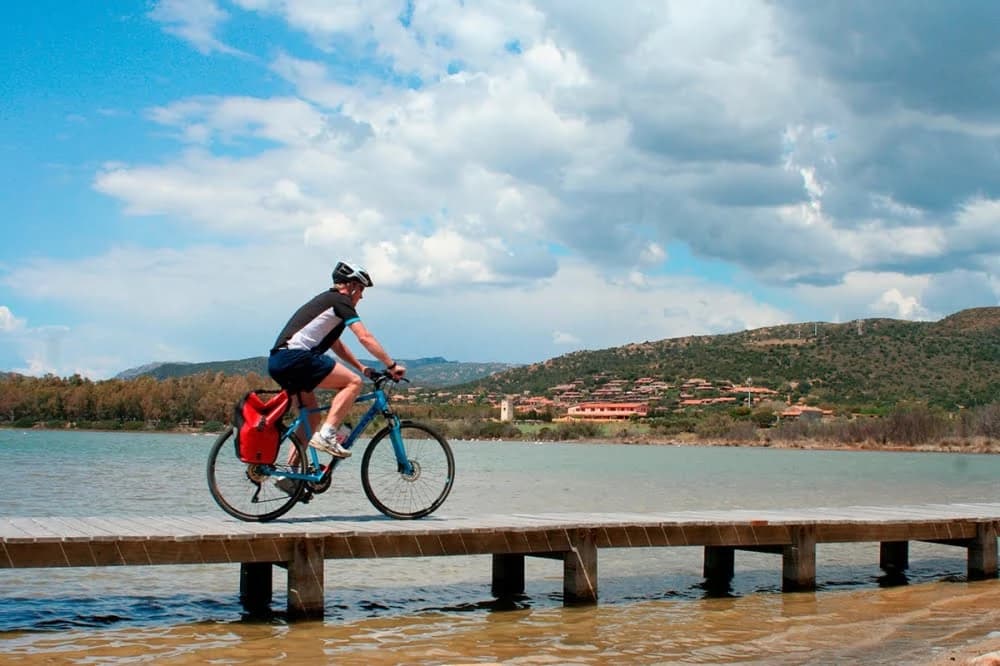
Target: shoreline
point(977, 445)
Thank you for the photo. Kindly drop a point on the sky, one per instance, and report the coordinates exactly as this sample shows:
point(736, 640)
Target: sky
point(522, 179)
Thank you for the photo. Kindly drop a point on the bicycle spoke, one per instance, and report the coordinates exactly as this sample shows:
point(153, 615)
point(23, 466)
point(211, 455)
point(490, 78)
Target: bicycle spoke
point(251, 491)
point(414, 495)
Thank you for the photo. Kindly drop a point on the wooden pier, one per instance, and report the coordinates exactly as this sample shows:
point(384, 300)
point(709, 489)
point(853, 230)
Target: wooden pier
point(301, 545)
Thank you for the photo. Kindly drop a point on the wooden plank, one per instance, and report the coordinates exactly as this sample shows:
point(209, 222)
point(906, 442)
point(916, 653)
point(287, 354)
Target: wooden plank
point(72, 529)
point(128, 528)
point(34, 529)
point(179, 528)
point(98, 527)
point(142, 539)
point(10, 530)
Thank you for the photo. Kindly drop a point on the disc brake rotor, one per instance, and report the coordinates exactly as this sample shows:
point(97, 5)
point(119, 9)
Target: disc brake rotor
point(415, 474)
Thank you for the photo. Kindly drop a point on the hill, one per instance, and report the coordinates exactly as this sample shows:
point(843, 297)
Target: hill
point(431, 372)
point(951, 362)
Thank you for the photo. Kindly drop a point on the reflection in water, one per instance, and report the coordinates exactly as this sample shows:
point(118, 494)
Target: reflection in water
point(908, 624)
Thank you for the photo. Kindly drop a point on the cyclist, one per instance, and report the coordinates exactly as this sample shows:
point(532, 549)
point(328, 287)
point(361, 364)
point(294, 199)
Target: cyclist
point(300, 364)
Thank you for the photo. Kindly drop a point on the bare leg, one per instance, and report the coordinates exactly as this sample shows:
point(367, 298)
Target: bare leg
point(348, 386)
point(307, 400)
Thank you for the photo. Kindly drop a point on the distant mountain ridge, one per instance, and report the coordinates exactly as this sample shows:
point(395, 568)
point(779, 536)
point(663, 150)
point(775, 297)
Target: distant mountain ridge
point(432, 371)
point(952, 362)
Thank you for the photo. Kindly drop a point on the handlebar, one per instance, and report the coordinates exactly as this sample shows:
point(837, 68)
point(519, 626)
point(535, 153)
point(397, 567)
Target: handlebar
point(380, 377)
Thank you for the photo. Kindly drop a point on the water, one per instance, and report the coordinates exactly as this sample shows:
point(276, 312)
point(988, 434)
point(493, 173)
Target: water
point(653, 608)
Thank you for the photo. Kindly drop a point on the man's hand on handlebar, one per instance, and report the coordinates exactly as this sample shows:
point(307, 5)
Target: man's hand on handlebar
point(396, 374)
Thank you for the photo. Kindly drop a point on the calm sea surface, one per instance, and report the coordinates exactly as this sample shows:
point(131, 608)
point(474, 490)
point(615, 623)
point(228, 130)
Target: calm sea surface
point(439, 610)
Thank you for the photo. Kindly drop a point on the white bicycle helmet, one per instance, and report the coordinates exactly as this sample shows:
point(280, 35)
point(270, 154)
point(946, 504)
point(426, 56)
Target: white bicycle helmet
point(345, 272)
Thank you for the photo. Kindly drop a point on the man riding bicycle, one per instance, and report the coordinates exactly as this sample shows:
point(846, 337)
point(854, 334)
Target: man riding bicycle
point(300, 364)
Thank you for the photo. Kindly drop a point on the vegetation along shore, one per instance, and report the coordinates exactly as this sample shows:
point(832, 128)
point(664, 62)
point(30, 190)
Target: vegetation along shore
point(871, 384)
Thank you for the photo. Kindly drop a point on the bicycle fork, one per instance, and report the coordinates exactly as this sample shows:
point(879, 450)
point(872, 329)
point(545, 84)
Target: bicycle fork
point(403, 462)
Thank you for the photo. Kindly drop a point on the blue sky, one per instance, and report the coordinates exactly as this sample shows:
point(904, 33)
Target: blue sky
point(523, 179)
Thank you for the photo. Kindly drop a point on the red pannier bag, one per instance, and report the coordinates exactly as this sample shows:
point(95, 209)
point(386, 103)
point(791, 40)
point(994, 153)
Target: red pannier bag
point(258, 426)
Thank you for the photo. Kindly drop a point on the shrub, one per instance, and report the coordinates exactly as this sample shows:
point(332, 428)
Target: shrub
point(915, 424)
point(742, 431)
point(791, 430)
point(763, 418)
point(488, 430)
point(673, 425)
point(861, 430)
point(715, 426)
point(570, 430)
point(742, 413)
point(983, 421)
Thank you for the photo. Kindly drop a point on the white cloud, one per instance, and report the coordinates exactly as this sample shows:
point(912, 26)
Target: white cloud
point(868, 294)
point(8, 322)
point(194, 21)
point(593, 109)
point(893, 303)
point(211, 303)
point(563, 338)
point(32, 350)
point(285, 121)
point(519, 169)
point(579, 302)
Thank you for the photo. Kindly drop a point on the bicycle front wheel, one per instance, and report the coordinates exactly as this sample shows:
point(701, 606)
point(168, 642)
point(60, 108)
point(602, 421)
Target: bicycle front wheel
point(398, 494)
point(252, 491)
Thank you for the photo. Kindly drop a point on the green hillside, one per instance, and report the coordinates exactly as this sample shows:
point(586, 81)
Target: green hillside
point(955, 361)
point(432, 372)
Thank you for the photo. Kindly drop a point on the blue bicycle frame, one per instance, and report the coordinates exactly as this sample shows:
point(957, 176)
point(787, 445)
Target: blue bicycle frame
point(407, 469)
point(380, 405)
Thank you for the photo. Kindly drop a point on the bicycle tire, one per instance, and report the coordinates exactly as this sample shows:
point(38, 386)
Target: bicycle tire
point(246, 491)
point(408, 497)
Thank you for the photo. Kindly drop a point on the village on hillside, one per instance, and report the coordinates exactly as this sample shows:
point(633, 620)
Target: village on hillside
point(605, 399)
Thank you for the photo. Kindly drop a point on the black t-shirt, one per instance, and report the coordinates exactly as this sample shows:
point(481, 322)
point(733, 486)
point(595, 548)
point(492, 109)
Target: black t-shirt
point(318, 324)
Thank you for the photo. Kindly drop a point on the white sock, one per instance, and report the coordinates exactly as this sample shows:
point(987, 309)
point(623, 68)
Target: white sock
point(326, 432)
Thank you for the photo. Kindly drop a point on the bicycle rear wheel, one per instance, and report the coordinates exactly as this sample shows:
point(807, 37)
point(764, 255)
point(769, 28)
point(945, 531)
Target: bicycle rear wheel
point(252, 492)
point(407, 496)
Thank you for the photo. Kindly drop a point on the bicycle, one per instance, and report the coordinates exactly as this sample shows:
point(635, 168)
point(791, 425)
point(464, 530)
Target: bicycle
point(407, 469)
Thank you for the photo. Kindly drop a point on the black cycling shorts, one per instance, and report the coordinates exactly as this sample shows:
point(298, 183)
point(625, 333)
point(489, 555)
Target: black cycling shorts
point(297, 369)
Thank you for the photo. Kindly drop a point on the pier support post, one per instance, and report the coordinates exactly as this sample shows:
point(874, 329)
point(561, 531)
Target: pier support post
point(983, 553)
point(799, 560)
point(255, 587)
point(508, 575)
point(894, 556)
point(305, 580)
point(580, 569)
point(720, 564)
